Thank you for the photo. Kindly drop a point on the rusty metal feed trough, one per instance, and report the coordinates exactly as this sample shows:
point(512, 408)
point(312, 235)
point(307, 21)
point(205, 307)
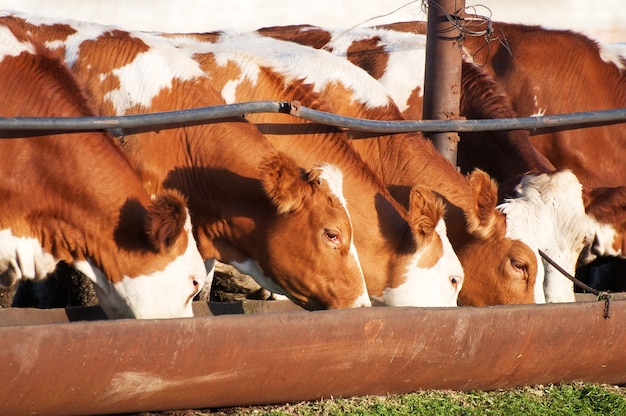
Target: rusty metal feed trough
point(54, 365)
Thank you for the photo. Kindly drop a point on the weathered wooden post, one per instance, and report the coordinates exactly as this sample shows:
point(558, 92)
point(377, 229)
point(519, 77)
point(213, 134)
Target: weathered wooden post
point(442, 78)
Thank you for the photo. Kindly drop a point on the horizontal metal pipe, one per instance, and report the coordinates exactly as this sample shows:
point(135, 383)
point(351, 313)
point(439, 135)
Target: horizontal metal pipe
point(172, 119)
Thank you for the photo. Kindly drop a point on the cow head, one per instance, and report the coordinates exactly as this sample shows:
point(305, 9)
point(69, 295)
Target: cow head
point(160, 283)
point(498, 269)
point(432, 275)
point(547, 213)
point(310, 257)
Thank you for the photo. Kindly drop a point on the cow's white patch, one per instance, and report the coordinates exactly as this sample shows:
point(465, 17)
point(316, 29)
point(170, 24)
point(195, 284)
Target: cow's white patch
point(613, 53)
point(429, 287)
point(293, 61)
point(150, 73)
point(10, 46)
point(407, 59)
point(84, 31)
point(141, 80)
point(548, 214)
point(162, 294)
point(605, 235)
point(539, 111)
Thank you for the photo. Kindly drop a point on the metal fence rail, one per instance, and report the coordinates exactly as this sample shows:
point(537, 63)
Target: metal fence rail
point(173, 119)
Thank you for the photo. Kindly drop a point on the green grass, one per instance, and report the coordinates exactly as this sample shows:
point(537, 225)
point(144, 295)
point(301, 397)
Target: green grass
point(577, 399)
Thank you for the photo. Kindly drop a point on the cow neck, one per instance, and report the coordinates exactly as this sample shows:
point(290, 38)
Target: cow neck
point(217, 167)
point(79, 221)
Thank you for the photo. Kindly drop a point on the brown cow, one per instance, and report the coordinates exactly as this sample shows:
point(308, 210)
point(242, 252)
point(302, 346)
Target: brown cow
point(75, 198)
point(257, 67)
point(251, 205)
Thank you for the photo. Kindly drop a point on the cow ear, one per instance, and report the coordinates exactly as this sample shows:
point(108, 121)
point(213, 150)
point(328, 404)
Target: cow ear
point(485, 192)
point(283, 182)
point(425, 211)
point(165, 220)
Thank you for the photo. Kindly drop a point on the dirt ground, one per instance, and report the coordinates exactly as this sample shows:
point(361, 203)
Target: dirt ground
point(67, 287)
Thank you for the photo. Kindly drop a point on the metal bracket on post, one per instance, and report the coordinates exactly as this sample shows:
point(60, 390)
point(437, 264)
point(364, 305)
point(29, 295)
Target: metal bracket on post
point(442, 77)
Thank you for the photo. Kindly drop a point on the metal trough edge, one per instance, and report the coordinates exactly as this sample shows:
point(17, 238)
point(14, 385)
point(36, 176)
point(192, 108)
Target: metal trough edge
point(123, 366)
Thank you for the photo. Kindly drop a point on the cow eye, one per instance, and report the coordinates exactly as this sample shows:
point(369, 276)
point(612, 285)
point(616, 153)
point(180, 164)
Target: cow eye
point(333, 238)
point(519, 266)
point(331, 235)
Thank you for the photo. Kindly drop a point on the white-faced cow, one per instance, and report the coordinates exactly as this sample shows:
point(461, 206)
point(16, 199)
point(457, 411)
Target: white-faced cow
point(75, 197)
point(251, 206)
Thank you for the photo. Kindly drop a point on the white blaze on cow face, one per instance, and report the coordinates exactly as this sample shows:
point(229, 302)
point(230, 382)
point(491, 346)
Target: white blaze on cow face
point(548, 214)
point(427, 287)
point(334, 178)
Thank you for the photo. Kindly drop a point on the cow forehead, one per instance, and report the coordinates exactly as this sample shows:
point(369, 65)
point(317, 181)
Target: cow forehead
point(333, 177)
point(549, 211)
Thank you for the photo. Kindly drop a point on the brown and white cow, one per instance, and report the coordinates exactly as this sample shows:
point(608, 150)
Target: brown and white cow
point(251, 206)
point(549, 71)
point(257, 67)
point(75, 198)
point(553, 221)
